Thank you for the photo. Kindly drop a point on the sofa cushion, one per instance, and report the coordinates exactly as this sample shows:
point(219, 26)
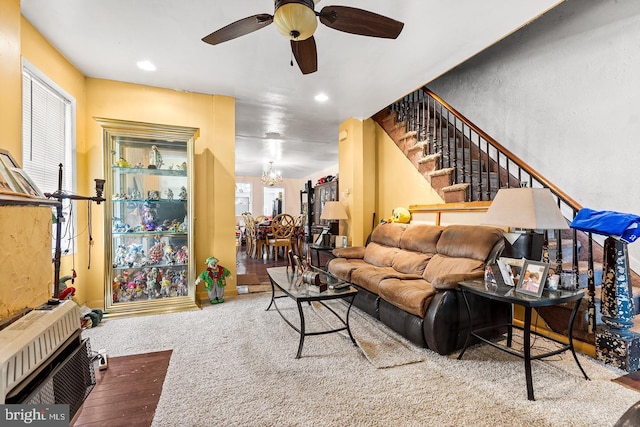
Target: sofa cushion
point(352, 252)
point(388, 234)
point(369, 277)
point(441, 265)
point(421, 238)
point(468, 241)
point(410, 262)
point(342, 267)
point(412, 296)
point(380, 255)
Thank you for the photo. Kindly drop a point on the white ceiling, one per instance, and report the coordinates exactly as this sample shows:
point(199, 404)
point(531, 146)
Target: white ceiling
point(276, 115)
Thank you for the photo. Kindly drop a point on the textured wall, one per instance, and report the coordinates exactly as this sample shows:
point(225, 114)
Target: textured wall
point(562, 94)
point(25, 250)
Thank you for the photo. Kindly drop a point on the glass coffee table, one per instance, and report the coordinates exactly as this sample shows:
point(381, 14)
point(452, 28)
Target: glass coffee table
point(509, 295)
point(285, 280)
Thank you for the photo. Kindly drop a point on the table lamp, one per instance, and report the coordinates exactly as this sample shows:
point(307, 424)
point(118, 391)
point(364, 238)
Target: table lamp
point(527, 209)
point(332, 212)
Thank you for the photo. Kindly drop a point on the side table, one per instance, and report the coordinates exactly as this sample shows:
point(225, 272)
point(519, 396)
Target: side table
point(509, 295)
point(317, 249)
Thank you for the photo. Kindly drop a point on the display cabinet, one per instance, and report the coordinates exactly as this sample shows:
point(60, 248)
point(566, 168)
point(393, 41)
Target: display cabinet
point(149, 210)
point(306, 209)
point(326, 192)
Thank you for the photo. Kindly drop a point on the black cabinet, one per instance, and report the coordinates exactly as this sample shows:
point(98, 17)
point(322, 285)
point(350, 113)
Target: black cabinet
point(306, 209)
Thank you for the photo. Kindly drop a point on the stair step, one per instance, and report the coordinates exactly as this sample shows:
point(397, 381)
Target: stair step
point(417, 146)
point(397, 125)
point(391, 116)
point(410, 134)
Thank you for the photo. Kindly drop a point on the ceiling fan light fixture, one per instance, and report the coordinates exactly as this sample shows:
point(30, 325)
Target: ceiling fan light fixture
point(296, 20)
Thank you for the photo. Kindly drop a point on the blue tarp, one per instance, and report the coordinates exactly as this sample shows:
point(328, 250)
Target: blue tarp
point(609, 223)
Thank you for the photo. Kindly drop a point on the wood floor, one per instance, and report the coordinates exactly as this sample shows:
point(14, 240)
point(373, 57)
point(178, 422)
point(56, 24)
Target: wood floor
point(127, 392)
point(245, 264)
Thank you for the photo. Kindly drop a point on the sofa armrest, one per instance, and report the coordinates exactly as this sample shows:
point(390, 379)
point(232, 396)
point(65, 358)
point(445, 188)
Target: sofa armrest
point(353, 252)
point(450, 281)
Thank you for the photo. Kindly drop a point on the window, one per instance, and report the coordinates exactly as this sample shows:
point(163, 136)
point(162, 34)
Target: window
point(48, 136)
point(243, 198)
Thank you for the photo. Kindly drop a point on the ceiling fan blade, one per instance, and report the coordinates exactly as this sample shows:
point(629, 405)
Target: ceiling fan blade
point(306, 55)
point(358, 21)
point(239, 28)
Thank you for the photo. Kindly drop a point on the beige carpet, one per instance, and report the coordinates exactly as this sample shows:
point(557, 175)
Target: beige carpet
point(233, 364)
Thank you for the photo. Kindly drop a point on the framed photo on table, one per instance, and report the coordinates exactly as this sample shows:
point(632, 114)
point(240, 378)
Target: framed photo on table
point(532, 278)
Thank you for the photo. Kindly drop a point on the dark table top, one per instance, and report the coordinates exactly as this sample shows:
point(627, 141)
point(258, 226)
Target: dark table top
point(508, 294)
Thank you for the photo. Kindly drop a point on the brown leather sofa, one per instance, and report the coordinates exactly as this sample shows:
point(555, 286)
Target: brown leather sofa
point(407, 277)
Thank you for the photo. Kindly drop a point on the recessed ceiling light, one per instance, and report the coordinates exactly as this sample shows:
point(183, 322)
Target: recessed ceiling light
point(321, 97)
point(146, 65)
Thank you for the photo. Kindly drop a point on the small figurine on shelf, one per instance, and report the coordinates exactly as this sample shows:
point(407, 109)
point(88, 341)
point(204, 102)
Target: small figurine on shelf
point(183, 193)
point(122, 163)
point(215, 278)
point(169, 194)
point(155, 158)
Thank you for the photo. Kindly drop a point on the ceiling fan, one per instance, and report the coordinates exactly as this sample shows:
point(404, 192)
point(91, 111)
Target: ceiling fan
point(296, 19)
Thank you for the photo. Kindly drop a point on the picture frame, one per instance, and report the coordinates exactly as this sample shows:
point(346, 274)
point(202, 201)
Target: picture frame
point(505, 273)
point(28, 186)
point(532, 278)
point(8, 183)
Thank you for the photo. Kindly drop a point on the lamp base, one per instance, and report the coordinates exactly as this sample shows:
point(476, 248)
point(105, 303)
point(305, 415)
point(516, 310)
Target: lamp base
point(527, 246)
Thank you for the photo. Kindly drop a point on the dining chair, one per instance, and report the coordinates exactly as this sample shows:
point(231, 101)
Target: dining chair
point(248, 229)
point(282, 228)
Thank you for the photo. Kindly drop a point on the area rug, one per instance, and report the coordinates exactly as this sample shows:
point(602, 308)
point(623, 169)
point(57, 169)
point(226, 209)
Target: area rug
point(382, 347)
point(248, 279)
point(127, 392)
point(234, 364)
point(250, 283)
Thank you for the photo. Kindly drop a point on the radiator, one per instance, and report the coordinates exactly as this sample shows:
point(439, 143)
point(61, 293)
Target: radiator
point(28, 344)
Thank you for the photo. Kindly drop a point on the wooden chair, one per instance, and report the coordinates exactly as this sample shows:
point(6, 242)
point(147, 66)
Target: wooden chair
point(282, 227)
point(299, 234)
point(248, 221)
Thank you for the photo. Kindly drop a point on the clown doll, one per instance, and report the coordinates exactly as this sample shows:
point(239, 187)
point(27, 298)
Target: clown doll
point(215, 280)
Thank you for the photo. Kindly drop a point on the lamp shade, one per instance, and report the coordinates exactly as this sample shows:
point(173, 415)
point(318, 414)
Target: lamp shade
point(531, 208)
point(333, 211)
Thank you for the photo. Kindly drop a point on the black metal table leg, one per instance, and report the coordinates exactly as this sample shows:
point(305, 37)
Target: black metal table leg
point(527, 352)
point(466, 341)
point(348, 327)
point(273, 294)
point(573, 351)
point(302, 333)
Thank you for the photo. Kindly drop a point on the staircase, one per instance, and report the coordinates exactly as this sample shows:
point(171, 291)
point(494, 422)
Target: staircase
point(464, 164)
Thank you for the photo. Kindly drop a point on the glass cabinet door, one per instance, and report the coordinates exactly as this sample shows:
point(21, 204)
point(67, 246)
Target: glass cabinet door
point(149, 267)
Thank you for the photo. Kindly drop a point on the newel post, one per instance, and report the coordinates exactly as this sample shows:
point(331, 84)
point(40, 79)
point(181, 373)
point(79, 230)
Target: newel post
point(615, 343)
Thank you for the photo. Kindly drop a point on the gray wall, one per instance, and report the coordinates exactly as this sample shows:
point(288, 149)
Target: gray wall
point(563, 94)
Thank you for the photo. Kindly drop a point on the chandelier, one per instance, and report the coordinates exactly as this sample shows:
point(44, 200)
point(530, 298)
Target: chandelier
point(271, 178)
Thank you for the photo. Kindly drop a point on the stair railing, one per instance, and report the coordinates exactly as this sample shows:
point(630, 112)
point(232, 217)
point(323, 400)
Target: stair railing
point(486, 165)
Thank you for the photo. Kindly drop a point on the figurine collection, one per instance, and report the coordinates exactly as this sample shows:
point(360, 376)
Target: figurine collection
point(153, 265)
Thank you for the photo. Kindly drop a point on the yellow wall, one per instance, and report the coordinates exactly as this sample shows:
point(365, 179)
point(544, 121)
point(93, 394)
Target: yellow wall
point(214, 163)
point(10, 79)
point(399, 182)
point(378, 177)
